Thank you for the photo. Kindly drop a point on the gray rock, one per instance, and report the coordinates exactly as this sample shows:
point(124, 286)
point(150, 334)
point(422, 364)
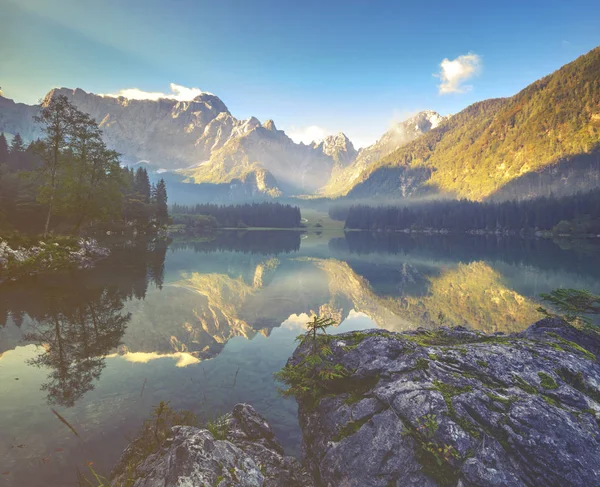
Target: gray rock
point(251, 456)
point(455, 407)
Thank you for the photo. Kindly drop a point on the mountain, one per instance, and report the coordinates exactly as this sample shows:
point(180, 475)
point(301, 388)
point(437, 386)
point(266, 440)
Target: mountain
point(545, 139)
point(200, 140)
point(400, 134)
point(273, 161)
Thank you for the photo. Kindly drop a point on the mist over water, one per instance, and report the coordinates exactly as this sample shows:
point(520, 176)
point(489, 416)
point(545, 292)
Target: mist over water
point(206, 323)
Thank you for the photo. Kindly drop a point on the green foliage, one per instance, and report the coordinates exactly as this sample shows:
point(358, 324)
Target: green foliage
point(437, 459)
point(69, 179)
point(218, 428)
point(573, 304)
point(315, 375)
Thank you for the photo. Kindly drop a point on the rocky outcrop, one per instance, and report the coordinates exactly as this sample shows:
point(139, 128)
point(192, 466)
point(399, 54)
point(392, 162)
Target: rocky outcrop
point(251, 456)
point(455, 407)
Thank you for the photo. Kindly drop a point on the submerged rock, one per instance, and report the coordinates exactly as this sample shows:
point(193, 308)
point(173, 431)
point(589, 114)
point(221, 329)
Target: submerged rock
point(251, 456)
point(454, 407)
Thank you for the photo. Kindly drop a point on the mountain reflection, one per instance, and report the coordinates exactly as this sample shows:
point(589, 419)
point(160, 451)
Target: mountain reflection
point(137, 307)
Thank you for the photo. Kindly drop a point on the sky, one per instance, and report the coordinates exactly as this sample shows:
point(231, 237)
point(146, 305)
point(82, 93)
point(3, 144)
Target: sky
point(314, 67)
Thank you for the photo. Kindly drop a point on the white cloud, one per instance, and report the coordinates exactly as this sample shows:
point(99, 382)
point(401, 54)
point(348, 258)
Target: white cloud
point(456, 72)
point(312, 133)
point(178, 92)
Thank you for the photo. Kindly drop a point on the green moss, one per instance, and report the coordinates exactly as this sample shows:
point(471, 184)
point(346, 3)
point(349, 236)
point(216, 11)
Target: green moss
point(551, 401)
point(350, 428)
point(575, 380)
point(421, 364)
point(547, 382)
point(573, 345)
point(525, 385)
point(448, 392)
point(433, 356)
point(507, 401)
point(482, 363)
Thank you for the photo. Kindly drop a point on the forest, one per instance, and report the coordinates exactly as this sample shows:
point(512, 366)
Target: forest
point(69, 181)
point(578, 214)
point(264, 215)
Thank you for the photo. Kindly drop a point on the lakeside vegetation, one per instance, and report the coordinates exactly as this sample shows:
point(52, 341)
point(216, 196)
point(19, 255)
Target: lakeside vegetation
point(578, 215)
point(66, 185)
point(69, 181)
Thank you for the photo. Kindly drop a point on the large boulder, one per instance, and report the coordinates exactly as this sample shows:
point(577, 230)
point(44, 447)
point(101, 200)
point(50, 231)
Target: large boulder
point(454, 407)
point(251, 456)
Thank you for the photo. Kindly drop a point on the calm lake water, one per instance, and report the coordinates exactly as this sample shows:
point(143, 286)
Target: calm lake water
point(206, 324)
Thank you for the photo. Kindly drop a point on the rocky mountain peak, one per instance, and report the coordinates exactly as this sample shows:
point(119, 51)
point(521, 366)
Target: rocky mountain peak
point(270, 125)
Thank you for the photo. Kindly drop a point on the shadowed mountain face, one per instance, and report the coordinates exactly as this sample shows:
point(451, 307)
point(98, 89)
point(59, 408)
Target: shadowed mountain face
point(527, 143)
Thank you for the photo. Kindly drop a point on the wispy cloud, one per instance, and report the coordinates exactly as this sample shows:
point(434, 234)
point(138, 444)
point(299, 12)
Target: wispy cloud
point(454, 73)
point(178, 92)
point(312, 133)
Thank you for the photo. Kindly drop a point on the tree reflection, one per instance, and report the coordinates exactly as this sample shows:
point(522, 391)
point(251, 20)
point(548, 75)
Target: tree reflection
point(78, 318)
point(76, 337)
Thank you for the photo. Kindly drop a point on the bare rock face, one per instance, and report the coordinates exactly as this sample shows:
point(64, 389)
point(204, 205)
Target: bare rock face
point(251, 456)
point(454, 407)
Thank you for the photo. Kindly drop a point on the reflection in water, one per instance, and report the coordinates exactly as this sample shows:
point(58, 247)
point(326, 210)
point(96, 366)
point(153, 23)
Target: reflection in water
point(205, 326)
point(75, 336)
point(77, 319)
point(263, 242)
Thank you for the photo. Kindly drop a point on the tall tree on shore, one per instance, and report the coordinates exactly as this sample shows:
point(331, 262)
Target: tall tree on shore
point(94, 176)
point(162, 210)
point(56, 119)
point(142, 184)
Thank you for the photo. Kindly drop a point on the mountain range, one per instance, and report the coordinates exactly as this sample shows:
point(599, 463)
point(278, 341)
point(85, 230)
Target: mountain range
point(543, 140)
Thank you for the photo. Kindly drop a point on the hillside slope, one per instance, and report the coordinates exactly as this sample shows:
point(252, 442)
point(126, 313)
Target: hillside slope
point(493, 144)
point(342, 179)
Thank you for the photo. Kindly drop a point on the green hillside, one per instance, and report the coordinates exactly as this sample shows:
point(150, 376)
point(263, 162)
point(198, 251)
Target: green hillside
point(491, 143)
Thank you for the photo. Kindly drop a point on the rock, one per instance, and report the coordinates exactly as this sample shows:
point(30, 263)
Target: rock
point(454, 407)
point(251, 456)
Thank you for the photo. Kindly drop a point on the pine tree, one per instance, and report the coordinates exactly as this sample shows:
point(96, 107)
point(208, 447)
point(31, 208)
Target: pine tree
point(162, 210)
point(16, 147)
point(3, 149)
point(142, 184)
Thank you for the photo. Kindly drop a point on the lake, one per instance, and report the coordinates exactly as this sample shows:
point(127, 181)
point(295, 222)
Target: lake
point(204, 324)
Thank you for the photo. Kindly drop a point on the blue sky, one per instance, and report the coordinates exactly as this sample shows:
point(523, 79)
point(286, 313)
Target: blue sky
point(353, 66)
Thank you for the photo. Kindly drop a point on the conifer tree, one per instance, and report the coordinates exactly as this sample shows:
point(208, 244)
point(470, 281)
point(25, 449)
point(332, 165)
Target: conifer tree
point(3, 149)
point(162, 210)
point(16, 146)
